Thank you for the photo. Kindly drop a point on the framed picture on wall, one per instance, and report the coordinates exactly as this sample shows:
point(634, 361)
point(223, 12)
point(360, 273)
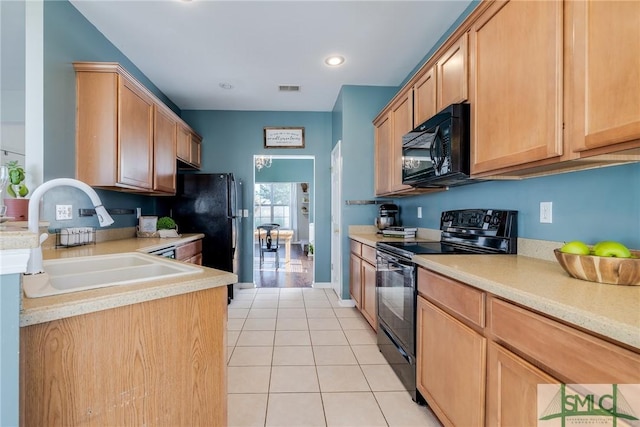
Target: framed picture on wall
point(283, 137)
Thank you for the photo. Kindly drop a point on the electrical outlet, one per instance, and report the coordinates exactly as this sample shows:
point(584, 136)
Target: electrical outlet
point(419, 211)
point(546, 212)
point(64, 212)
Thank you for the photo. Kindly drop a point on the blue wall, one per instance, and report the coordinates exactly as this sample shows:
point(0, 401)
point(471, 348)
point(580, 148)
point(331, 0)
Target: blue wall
point(593, 205)
point(69, 37)
point(232, 138)
point(352, 116)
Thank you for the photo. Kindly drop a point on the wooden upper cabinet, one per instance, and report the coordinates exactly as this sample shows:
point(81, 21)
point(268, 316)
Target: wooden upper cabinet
point(424, 97)
point(516, 68)
point(401, 124)
point(189, 148)
point(603, 82)
point(135, 142)
point(195, 150)
point(382, 153)
point(164, 151)
point(126, 138)
point(453, 75)
point(183, 144)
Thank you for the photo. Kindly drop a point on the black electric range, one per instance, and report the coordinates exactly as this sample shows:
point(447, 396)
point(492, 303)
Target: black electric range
point(467, 231)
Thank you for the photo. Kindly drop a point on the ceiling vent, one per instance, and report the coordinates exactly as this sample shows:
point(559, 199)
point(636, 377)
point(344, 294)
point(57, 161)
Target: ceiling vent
point(289, 88)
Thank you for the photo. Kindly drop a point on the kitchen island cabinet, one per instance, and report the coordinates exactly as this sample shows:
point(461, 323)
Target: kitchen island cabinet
point(159, 362)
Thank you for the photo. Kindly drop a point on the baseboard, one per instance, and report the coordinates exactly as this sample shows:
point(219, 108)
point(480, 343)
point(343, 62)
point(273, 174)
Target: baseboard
point(346, 302)
point(321, 285)
point(245, 285)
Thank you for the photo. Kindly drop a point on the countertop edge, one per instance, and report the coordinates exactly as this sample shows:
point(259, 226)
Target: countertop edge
point(604, 326)
point(131, 294)
point(601, 325)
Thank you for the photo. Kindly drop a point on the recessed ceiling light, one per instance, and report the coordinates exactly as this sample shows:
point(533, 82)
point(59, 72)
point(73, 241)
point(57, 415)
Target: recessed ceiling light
point(226, 86)
point(334, 61)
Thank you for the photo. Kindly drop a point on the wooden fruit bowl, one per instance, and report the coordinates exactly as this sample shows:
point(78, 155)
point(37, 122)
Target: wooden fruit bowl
point(614, 271)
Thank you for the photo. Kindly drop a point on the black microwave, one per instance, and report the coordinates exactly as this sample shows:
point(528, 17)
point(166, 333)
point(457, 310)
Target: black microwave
point(437, 153)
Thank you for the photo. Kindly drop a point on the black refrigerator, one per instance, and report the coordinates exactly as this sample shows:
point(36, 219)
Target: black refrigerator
point(207, 203)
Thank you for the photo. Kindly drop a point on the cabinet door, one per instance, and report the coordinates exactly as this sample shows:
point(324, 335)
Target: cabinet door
point(401, 124)
point(516, 84)
point(604, 79)
point(164, 151)
point(183, 144)
point(194, 152)
point(383, 155)
point(450, 366)
point(369, 309)
point(355, 279)
point(453, 77)
point(135, 142)
point(424, 97)
point(512, 386)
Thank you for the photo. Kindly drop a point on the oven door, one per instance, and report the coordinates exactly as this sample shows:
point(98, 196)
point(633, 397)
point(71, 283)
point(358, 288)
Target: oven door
point(396, 298)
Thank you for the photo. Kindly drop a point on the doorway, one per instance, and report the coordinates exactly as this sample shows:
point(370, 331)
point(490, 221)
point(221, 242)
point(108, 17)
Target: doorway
point(283, 191)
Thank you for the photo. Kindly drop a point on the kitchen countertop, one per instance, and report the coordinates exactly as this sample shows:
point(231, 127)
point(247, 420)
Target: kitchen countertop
point(608, 310)
point(45, 309)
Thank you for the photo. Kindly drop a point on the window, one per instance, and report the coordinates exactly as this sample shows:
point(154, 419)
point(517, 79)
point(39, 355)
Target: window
point(273, 203)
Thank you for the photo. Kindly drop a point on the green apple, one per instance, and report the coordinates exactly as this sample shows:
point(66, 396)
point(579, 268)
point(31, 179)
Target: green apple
point(576, 247)
point(611, 249)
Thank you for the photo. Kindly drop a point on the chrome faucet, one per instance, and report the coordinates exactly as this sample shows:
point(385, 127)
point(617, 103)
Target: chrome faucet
point(34, 266)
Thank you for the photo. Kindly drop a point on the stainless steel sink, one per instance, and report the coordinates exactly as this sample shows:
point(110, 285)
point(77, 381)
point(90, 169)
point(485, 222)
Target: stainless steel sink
point(82, 273)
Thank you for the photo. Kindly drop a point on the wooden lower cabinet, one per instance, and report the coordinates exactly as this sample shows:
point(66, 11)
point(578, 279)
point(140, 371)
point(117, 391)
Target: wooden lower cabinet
point(369, 308)
point(512, 388)
point(190, 252)
point(362, 281)
point(355, 279)
point(160, 362)
point(450, 366)
point(459, 328)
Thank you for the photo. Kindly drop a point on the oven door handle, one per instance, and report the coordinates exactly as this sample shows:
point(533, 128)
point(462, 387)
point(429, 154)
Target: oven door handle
point(395, 260)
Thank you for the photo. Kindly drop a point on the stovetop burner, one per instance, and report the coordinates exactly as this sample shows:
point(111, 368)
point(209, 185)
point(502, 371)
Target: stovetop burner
point(467, 231)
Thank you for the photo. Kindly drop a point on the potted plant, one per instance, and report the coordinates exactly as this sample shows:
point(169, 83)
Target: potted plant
point(17, 204)
point(310, 250)
point(167, 227)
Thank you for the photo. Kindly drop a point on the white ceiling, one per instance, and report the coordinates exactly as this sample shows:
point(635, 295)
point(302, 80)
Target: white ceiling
point(188, 48)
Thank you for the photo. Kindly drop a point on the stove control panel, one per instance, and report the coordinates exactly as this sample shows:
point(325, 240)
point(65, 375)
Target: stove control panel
point(489, 222)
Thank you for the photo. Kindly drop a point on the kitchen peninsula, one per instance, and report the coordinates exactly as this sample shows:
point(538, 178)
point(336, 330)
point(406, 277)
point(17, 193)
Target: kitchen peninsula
point(150, 353)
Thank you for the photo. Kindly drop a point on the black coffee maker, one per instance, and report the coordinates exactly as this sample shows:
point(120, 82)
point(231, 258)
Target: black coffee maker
point(388, 216)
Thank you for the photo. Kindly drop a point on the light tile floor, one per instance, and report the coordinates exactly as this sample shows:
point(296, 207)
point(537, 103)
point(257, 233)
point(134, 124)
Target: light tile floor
point(296, 358)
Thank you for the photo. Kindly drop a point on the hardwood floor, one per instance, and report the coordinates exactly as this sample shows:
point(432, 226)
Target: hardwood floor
point(297, 273)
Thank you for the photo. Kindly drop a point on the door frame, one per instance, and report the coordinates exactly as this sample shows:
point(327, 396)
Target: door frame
point(336, 219)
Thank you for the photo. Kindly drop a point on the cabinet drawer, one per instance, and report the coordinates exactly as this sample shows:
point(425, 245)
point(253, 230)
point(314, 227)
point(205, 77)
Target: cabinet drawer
point(188, 250)
point(369, 254)
point(356, 248)
point(575, 356)
point(462, 300)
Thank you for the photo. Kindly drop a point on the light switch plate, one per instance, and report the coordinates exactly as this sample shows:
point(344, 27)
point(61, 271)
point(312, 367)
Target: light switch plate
point(64, 212)
point(419, 211)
